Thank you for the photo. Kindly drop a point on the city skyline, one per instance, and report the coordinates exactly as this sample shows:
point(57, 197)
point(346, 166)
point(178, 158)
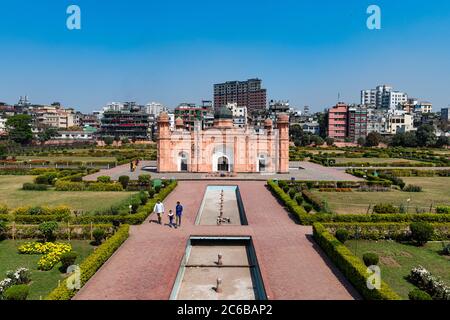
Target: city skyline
point(305, 53)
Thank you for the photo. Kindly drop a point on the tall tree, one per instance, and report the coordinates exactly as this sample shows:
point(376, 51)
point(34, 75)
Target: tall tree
point(47, 134)
point(373, 139)
point(19, 128)
point(426, 135)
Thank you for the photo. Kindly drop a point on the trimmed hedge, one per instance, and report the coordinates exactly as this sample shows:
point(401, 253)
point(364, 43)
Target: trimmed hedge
point(387, 231)
point(351, 266)
point(92, 263)
point(34, 187)
point(309, 219)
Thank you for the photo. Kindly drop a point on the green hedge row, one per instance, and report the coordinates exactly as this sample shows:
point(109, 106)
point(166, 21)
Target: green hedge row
point(406, 172)
point(92, 263)
point(309, 219)
point(386, 231)
point(350, 265)
point(64, 232)
point(84, 186)
point(142, 213)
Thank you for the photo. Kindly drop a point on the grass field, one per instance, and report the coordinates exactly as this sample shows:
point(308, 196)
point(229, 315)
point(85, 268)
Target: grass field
point(374, 160)
point(397, 260)
point(42, 281)
point(86, 159)
point(436, 191)
point(12, 196)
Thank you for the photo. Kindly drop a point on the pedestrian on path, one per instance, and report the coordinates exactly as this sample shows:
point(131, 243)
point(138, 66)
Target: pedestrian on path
point(179, 213)
point(171, 216)
point(159, 210)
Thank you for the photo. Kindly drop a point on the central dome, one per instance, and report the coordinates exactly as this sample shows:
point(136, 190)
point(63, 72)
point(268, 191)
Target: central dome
point(223, 113)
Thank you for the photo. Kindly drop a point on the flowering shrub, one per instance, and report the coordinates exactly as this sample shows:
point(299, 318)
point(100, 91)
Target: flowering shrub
point(51, 251)
point(423, 279)
point(20, 276)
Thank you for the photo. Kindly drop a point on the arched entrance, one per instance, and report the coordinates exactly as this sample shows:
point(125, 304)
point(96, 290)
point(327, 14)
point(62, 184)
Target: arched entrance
point(183, 162)
point(262, 163)
point(223, 164)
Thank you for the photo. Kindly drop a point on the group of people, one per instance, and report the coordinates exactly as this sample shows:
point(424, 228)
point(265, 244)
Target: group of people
point(159, 210)
point(133, 165)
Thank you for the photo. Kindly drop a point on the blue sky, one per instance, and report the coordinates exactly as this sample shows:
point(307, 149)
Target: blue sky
point(174, 51)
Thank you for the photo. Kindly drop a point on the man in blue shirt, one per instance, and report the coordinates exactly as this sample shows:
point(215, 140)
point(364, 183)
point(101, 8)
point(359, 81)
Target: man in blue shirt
point(179, 213)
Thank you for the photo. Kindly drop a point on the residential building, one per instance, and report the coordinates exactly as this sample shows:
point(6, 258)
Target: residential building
point(277, 107)
point(423, 107)
point(445, 115)
point(53, 116)
point(130, 122)
point(248, 94)
point(312, 127)
point(357, 122)
point(155, 108)
point(399, 122)
point(75, 135)
point(2, 125)
point(376, 121)
point(190, 113)
point(337, 122)
point(239, 115)
point(383, 97)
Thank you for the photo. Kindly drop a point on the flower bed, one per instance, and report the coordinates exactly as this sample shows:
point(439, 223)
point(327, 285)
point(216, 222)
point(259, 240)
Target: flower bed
point(51, 252)
point(20, 276)
point(423, 279)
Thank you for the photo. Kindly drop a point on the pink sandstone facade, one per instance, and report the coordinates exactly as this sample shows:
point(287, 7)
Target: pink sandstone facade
point(223, 148)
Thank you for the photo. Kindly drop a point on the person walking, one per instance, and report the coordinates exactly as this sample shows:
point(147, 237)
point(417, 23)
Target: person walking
point(159, 210)
point(171, 216)
point(179, 213)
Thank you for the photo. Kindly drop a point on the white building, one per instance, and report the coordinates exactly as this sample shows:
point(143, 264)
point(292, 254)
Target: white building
point(423, 107)
point(155, 108)
point(2, 125)
point(383, 97)
point(399, 122)
point(239, 115)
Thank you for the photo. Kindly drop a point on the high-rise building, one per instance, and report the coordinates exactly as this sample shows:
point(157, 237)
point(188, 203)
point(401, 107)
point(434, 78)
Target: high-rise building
point(383, 97)
point(190, 113)
point(337, 122)
point(357, 122)
point(245, 93)
point(129, 122)
point(155, 108)
point(445, 115)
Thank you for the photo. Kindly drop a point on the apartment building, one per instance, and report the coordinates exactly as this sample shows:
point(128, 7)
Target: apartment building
point(131, 122)
point(337, 122)
point(357, 123)
point(53, 116)
point(248, 94)
point(190, 113)
point(383, 97)
point(399, 122)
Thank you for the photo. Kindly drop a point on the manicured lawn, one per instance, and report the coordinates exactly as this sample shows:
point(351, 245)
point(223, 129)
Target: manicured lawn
point(436, 191)
point(12, 196)
point(373, 160)
point(86, 159)
point(42, 281)
point(397, 260)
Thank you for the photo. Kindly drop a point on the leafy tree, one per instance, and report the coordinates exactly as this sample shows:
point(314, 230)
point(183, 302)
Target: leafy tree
point(361, 141)
point(317, 140)
point(296, 132)
point(329, 141)
point(373, 139)
point(19, 128)
point(426, 135)
point(108, 140)
point(442, 141)
point(48, 134)
point(3, 152)
point(407, 139)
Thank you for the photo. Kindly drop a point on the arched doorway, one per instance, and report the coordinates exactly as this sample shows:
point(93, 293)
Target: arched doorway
point(223, 164)
point(183, 162)
point(262, 163)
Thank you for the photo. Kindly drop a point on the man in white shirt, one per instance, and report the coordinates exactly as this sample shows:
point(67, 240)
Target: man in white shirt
point(159, 210)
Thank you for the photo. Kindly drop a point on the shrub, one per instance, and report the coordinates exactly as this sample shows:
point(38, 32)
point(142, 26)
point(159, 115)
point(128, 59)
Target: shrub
point(425, 281)
point(446, 249)
point(69, 186)
point(48, 178)
point(157, 189)
point(385, 208)
point(286, 188)
point(342, 235)
point(299, 199)
point(92, 263)
point(292, 193)
point(34, 187)
point(151, 192)
point(412, 188)
point(124, 180)
point(3, 230)
point(68, 259)
point(144, 179)
point(443, 209)
point(143, 197)
point(350, 265)
point(370, 259)
point(417, 294)
point(104, 179)
point(47, 229)
point(99, 235)
point(308, 207)
point(100, 186)
point(421, 232)
point(17, 292)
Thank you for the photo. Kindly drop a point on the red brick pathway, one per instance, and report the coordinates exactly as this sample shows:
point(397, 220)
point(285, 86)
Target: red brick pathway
point(292, 265)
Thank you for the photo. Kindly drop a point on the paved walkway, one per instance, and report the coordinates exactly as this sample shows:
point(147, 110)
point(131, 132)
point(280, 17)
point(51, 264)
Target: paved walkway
point(292, 265)
point(299, 170)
